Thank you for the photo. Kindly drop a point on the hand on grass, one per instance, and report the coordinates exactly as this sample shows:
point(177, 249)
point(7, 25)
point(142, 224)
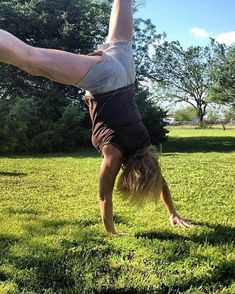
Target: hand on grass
point(118, 234)
point(175, 219)
point(121, 234)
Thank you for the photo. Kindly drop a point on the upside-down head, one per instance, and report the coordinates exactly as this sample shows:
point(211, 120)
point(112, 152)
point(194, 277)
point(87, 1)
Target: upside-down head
point(141, 179)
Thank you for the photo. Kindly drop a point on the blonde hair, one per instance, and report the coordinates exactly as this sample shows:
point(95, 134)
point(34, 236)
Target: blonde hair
point(141, 179)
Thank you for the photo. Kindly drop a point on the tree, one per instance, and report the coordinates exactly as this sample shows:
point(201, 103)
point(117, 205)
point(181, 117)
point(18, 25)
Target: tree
point(145, 36)
point(75, 26)
point(222, 88)
point(153, 116)
point(58, 119)
point(184, 114)
point(18, 126)
point(184, 75)
point(220, 114)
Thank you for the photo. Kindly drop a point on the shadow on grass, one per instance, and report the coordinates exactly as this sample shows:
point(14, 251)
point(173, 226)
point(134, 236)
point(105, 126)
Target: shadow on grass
point(80, 154)
point(222, 276)
point(44, 267)
point(53, 268)
point(174, 144)
point(22, 211)
point(11, 174)
point(129, 290)
point(199, 144)
point(60, 223)
point(6, 242)
point(219, 235)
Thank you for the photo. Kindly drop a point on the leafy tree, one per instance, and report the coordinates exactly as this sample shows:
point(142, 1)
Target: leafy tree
point(229, 114)
point(75, 26)
point(184, 74)
point(153, 116)
point(73, 132)
point(18, 127)
point(221, 114)
point(145, 36)
point(222, 89)
point(57, 118)
point(184, 114)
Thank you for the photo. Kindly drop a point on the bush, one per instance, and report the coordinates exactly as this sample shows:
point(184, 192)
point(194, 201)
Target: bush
point(153, 117)
point(26, 128)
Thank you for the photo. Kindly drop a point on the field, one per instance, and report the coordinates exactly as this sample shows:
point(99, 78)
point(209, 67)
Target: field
point(52, 239)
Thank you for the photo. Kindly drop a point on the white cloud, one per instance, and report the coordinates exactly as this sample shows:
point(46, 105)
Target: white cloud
point(199, 32)
point(226, 38)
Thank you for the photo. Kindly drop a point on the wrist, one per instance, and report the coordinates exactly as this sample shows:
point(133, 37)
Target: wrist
point(172, 213)
point(109, 227)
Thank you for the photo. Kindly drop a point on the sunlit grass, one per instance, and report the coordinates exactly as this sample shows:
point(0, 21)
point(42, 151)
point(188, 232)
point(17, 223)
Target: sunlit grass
point(52, 239)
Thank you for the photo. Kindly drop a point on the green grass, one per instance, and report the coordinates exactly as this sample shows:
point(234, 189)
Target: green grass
point(52, 239)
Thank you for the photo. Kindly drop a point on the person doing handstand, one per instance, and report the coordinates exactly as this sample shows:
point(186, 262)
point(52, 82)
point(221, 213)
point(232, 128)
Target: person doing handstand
point(118, 133)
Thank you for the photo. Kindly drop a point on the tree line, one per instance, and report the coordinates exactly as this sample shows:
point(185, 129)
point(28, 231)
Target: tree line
point(38, 115)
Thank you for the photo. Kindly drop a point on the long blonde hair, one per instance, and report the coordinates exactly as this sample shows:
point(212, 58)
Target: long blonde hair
point(141, 179)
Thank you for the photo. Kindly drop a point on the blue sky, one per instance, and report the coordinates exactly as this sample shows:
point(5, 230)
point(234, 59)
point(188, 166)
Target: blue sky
point(192, 22)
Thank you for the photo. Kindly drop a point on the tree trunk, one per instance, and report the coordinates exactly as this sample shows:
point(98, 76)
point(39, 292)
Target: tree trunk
point(201, 123)
point(201, 111)
point(224, 126)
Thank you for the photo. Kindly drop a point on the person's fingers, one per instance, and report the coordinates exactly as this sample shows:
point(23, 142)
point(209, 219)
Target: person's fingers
point(180, 223)
point(185, 223)
point(188, 224)
point(122, 234)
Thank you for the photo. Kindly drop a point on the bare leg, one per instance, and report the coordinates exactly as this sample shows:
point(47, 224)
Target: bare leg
point(121, 21)
point(56, 65)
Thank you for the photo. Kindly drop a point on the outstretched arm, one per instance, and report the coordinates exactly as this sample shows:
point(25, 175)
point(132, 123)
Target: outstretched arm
point(121, 21)
point(175, 219)
point(108, 172)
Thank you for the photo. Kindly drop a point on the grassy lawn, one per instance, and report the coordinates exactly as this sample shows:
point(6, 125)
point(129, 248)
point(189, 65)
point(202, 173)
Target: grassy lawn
point(52, 239)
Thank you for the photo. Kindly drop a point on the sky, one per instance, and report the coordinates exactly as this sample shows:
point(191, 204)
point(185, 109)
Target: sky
point(192, 22)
